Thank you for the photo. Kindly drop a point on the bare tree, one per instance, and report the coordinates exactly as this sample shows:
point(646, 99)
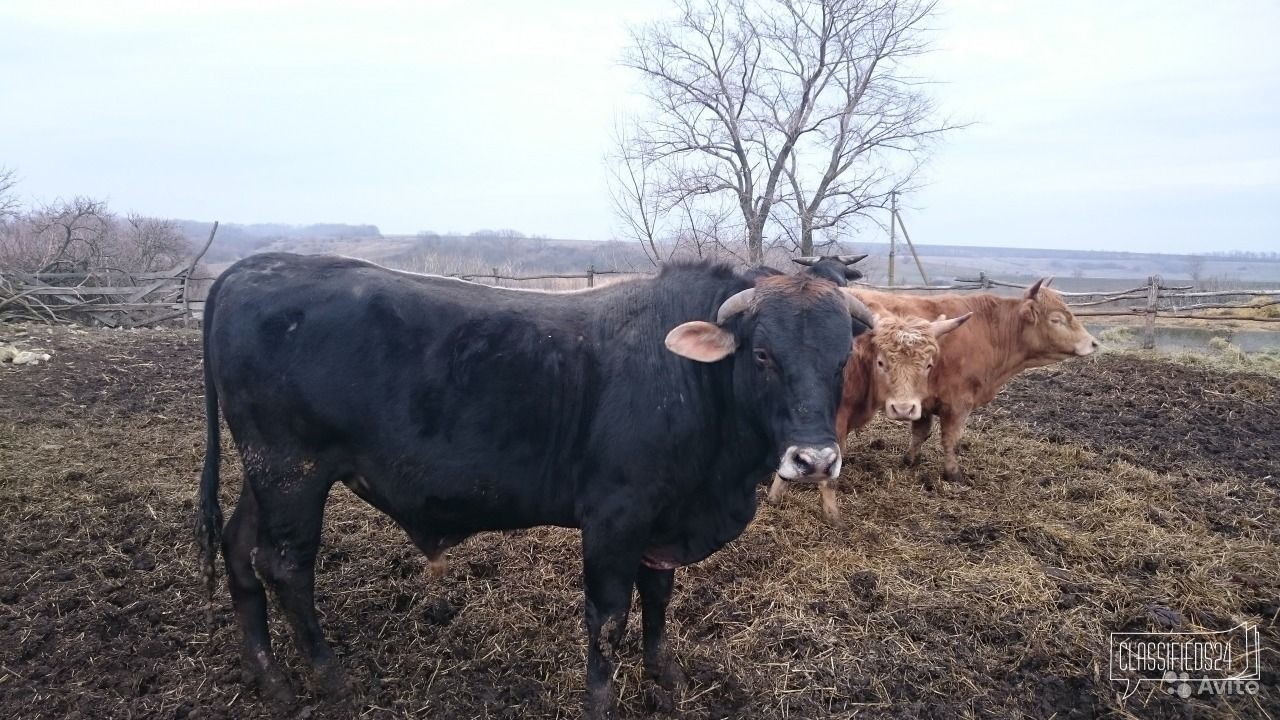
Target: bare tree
point(636, 202)
point(1195, 268)
point(9, 204)
point(667, 224)
point(792, 102)
point(152, 244)
point(78, 232)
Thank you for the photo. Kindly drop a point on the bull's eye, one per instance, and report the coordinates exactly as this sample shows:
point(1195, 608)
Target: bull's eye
point(880, 363)
point(761, 355)
point(1057, 319)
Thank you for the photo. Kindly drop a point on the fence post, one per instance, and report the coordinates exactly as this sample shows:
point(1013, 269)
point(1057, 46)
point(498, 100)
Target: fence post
point(591, 275)
point(494, 270)
point(1149, 329)
point(983, 281)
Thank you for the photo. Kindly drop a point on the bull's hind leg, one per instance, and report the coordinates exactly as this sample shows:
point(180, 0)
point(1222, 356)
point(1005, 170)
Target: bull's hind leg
point(239, 544)
point(920, 430)
point(292, 502)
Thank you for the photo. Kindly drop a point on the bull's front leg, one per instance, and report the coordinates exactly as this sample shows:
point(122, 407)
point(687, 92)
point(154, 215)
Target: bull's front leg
point(920, 430)
point(655, 594)
point(610, 564)
point(952, 430)
point(830, 507)
point(777, 490)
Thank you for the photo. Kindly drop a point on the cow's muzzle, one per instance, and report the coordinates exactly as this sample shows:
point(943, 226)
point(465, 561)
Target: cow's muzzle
point(810, 464)
point(902, 411)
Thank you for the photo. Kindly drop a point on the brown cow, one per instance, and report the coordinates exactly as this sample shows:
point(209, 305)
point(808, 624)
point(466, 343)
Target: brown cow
point(1004, 337)
point(887, 370)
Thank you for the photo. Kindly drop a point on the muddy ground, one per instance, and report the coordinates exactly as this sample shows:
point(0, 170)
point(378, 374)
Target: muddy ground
point(1105, 495)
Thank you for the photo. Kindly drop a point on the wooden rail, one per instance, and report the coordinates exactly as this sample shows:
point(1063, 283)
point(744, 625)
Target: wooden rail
point(1153, 292)
point(107, 296)
point(154, 297)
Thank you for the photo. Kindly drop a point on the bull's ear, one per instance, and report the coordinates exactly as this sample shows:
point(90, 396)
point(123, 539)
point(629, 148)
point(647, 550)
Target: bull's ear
point(942, 325)
point(1034, 290)
point(701, 341)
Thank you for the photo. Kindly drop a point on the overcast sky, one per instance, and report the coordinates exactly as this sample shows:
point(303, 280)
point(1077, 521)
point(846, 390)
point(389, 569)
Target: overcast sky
point(1098, 125)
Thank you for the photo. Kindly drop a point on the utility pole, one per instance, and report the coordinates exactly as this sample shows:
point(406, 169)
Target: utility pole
point(893, 219)
point(911, 246)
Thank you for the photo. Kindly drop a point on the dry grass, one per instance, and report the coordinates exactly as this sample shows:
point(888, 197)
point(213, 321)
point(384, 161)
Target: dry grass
point(993, 600)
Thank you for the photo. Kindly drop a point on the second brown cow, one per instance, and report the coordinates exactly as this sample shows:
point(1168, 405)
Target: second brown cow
point(1003, 337)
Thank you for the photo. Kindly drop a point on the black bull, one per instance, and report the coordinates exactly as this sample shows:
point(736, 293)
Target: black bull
point(457, 408)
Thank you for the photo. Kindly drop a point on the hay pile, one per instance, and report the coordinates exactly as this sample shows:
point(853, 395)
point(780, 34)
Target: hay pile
point(990, 600)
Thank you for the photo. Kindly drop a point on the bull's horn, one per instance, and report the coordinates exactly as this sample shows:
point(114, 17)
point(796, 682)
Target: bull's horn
point(851, 259)
point(942, 325)
point(1035, 287)
point(858, 309)
point(805, 261)
point(734, 305)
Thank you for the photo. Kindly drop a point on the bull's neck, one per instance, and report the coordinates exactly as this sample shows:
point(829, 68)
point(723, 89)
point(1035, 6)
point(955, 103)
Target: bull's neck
point(1003, 321)
point(860, 397)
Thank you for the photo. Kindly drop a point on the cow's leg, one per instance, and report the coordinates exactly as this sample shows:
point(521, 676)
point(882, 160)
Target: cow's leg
point(777, 490)
point(920, 430)
point(610, 563)
point(288, 538)
point(952, 430)
point(239, 545)
point(830, 507)
point(655, 593)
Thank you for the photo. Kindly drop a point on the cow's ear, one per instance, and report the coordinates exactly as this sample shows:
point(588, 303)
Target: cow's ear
point(1028, 311)
point(701, 341)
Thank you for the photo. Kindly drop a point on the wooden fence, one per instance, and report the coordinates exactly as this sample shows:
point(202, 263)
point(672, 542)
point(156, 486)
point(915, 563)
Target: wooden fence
point(590, 276)
point(114, 298)
point(1152, 294)
point(150, 298)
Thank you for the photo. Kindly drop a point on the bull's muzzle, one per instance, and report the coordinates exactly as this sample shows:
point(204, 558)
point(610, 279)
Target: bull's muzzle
point(810, 464)
point(902, 411)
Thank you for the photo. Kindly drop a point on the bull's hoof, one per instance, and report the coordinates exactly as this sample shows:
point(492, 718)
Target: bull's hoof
point(666, 673)
point(331, 682)
point(910, 460)
point(954, 476)
point(263, 674)
point(601, 703)
point(835, 521)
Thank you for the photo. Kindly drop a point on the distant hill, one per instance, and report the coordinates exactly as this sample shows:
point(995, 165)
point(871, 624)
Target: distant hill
point(235, 241)
point(513, 253)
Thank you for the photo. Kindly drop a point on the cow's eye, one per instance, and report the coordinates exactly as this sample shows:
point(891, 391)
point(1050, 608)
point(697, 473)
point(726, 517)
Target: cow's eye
point(880, 363)
point(761, 355)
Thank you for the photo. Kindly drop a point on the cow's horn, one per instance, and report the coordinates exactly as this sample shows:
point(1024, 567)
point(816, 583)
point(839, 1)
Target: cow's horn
point(858, 309)
point(734, 305)
point(851, 259)
point(1035, 287)
point(805, 261)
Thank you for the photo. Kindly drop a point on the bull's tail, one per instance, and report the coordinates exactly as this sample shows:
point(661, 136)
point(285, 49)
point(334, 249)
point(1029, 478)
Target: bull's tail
point(208, 526)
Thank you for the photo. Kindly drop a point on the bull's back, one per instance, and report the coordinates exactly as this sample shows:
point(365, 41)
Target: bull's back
point(428, 389)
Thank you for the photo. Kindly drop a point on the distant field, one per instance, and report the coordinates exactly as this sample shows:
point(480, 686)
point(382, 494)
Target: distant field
point(1074, 270)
